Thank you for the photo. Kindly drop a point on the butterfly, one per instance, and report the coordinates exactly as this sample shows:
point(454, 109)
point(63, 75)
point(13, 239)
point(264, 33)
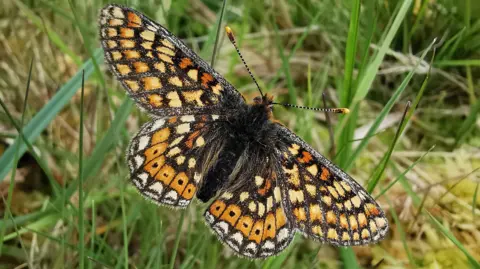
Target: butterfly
point(264, 183)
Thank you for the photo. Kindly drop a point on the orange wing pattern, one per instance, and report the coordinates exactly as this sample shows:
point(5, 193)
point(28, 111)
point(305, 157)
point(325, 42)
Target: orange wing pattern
point(164, 158)
point(323, 201)
point(159, 72)
point(250, 218)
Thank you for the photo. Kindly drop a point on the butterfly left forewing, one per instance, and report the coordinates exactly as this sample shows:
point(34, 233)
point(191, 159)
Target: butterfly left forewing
point(159, 72)
point(249, 217)
point(167, 157)
point(323, 201)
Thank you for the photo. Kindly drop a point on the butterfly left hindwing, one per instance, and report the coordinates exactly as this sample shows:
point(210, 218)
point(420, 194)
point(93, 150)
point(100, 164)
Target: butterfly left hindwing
point(165, 157)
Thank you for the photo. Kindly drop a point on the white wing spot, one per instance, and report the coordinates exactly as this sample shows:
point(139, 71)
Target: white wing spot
point(259, 181)
point(183, 128)
point(191, 163)
point(268, 245)
point(251, 246)
point(209, 217)
point(157, 187)
point(238, 238)
point(187, 118)
point(171, 195)
point(173, 152)
point(200, 141)
point(138, 161)
point(157, 124)
point(183, 202)
point(197, 177)
point(282, 235)
point(227, 195)
point(244, 196)
point(176, 141)
point(221, 228)
point(117, 12)
point(143, 177)
point(261, 209)
point(143, 142)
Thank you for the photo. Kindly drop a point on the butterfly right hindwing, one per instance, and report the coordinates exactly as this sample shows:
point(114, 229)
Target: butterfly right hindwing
point(324, 202)
point(249, 216)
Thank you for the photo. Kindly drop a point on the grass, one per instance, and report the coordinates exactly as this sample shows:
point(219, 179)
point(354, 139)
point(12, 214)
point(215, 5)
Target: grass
point(64, 210)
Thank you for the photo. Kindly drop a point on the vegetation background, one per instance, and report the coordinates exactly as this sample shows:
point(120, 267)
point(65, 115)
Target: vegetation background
point(63, 207)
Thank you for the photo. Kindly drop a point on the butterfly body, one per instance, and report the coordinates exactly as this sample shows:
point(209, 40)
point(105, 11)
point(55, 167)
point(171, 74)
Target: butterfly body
point(248, 131)
point(263, 182)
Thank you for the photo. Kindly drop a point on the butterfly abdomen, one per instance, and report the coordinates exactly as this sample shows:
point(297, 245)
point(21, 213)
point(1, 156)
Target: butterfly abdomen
point(217, 176)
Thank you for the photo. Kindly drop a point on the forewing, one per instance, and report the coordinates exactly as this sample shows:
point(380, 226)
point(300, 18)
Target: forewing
point(249, 217)
point(160, 73)
point(167, 157)
point(323, 201)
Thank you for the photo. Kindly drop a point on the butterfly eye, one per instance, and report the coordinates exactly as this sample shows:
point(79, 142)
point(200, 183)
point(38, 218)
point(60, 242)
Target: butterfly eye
point(257, 100)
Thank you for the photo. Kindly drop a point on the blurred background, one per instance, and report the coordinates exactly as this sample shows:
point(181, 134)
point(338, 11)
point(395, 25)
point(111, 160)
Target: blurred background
point(420, 161)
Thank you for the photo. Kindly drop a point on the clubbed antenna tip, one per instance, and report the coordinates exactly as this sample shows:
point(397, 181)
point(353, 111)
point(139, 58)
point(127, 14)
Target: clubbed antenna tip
point(230, 33)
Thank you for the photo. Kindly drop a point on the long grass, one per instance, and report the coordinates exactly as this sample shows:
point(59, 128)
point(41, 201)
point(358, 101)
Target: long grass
point(71, 195)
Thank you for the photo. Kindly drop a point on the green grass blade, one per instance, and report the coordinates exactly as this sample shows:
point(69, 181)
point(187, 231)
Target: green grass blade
point(378, 172)
point(217, 38)
point(474, 202)
point(81, 221)
point(401, 232)
point(409, 168)
point(177, 239)
point(92, 234)
point(346, 96)
point(366, 81)
point(462, 62)
point(92, 164)
point(469, 123)
point(386, 109)
point(292, 94)
point(43, 118)
point(95, 161)
point(87, 44)
point(454, 240)
point(125, 226)
point(11, 185)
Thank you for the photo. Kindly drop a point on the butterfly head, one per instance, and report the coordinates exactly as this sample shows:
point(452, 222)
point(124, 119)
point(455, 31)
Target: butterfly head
point(266, 100)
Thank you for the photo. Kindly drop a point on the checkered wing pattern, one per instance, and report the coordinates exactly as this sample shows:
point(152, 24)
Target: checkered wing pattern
point(160, 73)
point(324, 202)
point(164, 158)
point(249, 217)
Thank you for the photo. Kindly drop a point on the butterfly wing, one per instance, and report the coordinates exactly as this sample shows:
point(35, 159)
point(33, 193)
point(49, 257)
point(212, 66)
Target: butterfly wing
point(168, 157)
point(249, 216)
point(158, 71)
point(324, 202)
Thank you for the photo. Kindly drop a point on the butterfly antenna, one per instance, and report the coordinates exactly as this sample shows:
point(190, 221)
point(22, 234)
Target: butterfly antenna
point(331, 110)
point(232, 40)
